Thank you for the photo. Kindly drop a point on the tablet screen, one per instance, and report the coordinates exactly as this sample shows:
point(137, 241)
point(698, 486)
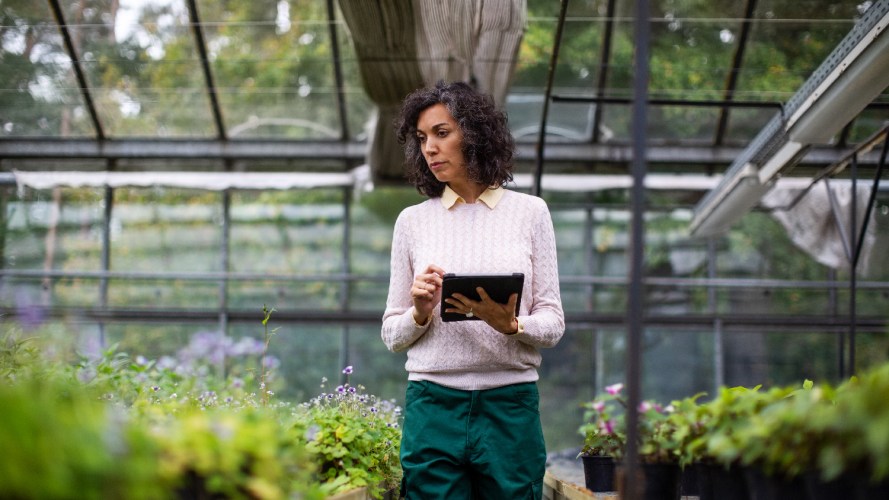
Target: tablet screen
point(498, 286)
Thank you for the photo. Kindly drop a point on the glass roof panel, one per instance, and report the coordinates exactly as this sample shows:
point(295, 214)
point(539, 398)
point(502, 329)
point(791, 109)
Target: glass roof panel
point(273, 67)
point(745, 123)
point(39, 95)
point(142, 66)
point(869, 121)
point(576, 72)
point(788, 41)
point(359, 107)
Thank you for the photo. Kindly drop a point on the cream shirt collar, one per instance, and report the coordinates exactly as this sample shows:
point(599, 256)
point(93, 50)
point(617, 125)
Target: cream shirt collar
point(489, 197)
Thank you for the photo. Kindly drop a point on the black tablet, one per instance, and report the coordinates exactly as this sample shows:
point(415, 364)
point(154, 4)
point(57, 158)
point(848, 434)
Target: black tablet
point(498, 286)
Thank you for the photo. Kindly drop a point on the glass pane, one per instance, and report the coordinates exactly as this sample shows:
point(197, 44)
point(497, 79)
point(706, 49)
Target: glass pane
point(39, 95)
point(745, 123)
point(54, 230)
point(775, 358)
point(142, 67)
point(575, 76)
point(59, 229)
point(359, 108)
point(869, 121)
point(165, 231)
point(788, 41)
point(289, 233)
point(272, 64)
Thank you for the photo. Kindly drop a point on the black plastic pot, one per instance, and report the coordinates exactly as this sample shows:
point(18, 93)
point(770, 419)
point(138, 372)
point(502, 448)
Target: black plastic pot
point(819, 489)
point(656, 481)
point(688, 486)
point(774, 487)
point(598, 473)
point(717, 482)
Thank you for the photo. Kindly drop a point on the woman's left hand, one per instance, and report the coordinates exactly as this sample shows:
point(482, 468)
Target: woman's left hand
point(500, 317)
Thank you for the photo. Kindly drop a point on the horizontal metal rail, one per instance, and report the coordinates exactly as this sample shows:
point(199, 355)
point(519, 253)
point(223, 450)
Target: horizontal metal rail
point(340, 277)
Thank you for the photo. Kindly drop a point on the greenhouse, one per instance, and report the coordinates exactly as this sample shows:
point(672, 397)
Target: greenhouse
point(199, 200)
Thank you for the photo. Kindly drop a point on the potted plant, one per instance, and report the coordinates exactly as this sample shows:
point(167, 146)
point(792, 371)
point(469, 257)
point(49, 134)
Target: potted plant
point(856, 427)
point(604, 437)
point(605, 434)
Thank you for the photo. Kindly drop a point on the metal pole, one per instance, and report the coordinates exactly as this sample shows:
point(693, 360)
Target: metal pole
point(635, 305)
point(345, 287)
point(106, 257)
point(713, 307)
point(225, 260)
point(853, 288)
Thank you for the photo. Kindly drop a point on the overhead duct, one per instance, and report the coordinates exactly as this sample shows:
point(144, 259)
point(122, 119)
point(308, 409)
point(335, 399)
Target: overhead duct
point(851, 77)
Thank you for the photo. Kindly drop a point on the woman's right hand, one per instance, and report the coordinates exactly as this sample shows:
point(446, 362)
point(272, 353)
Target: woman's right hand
point(426, 293)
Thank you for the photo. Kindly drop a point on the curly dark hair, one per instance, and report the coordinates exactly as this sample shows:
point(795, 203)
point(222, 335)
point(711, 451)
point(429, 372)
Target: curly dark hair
point(488, 145)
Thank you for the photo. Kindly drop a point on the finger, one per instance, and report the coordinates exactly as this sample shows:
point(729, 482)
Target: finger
point(511, 303)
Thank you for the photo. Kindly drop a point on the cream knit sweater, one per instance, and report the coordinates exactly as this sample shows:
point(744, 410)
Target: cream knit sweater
point(515, 236)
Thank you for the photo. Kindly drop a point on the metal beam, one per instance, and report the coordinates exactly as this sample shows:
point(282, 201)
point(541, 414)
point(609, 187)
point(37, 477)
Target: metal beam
point(205, 66)
point(604, 66)
point(753, 323)
point(78, 68)
point(541, 138)
point(337, 72)
point(185, 149)
point(731, 81)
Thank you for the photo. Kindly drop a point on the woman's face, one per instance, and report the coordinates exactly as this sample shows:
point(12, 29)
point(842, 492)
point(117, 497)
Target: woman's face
point(441, 142)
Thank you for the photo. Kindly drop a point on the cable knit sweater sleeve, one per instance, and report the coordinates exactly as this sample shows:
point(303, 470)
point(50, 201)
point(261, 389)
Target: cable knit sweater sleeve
point(399, 329)
point(545, 323)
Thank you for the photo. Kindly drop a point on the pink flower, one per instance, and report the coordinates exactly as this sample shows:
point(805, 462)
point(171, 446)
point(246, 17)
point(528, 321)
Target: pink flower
point(606, 426)
point(599, 406)
point(644, 406)
point(614, 389)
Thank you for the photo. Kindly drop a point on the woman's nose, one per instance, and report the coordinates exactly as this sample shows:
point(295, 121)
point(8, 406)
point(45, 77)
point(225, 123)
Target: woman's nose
point(430, 146)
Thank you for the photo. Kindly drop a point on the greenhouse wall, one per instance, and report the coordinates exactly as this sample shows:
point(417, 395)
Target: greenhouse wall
point(159, 272)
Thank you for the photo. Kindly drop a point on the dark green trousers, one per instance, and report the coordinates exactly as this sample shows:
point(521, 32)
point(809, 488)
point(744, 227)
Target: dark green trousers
point(472, 444)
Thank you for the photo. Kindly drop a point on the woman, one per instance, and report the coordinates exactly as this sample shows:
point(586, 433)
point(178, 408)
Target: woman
point(471, 423)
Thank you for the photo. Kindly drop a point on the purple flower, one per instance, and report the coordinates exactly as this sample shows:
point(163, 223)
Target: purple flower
point(166, 363)
point(271, 362)
point(614, 389)
point(312, 432)
point(341, 390)
point(31, 315)
point(347, 370)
